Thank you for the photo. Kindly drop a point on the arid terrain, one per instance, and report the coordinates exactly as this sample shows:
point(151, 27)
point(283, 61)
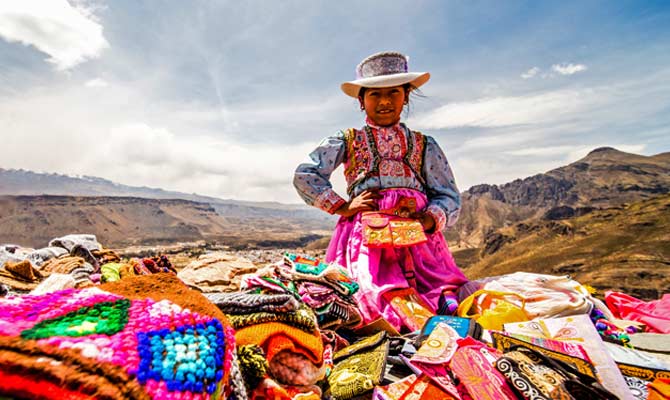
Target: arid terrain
point(603, 219)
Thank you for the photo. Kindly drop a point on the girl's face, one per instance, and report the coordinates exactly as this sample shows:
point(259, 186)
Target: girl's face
point(384, 105)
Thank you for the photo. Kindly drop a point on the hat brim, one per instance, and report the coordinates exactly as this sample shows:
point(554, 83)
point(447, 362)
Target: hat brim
point(417, 79)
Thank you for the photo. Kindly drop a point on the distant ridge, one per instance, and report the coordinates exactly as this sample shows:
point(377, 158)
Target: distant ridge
point(24, 182)
point(603, 178)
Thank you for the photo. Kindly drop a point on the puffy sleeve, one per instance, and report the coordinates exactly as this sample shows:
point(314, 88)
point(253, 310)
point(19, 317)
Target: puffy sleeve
point(312, 176)
point(444, 199)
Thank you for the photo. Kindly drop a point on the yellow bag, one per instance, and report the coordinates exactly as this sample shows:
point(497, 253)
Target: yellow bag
point(492, 309)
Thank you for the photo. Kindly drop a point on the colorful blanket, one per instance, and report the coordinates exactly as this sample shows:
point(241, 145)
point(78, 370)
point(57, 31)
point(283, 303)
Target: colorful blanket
point(90, 343)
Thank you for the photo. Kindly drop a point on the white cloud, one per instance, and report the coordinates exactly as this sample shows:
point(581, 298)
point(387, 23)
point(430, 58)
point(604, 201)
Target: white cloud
point(97, 82)
point(505, 111)
point(117, 138)
point(530, 73)
point(69, 35)
point(542, 151)
point(579, 152)
point(213, 166)
point(568, 69)
point(572, 153)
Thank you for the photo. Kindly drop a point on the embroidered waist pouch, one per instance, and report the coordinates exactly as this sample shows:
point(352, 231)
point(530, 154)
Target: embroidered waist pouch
point(393, 227)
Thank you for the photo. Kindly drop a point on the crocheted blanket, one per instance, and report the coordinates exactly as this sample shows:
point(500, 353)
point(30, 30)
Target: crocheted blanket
point(90, 343)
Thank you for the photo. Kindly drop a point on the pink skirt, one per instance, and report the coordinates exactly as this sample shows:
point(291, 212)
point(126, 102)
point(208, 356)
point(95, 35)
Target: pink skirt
point(378, 270)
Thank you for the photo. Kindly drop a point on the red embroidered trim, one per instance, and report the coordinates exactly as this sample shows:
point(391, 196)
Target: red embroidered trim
point(329, 201)
point(438, 215)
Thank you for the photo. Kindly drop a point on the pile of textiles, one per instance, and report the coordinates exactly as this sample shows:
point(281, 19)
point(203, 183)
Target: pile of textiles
point(71, 261)
point(326, 288)
point(114, 271)
point(95, 325)
point(281, 347)
point(66, 262)
point(544, 337)
point(148, 338)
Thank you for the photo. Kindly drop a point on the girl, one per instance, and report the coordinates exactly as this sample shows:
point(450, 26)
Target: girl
point(404, 275)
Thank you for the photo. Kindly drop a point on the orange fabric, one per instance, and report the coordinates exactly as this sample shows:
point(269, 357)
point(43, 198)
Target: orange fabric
point(659, 389)
point(274, 337)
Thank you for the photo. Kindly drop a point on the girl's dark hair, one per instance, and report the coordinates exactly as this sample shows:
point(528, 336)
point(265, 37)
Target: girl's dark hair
point(409, 89)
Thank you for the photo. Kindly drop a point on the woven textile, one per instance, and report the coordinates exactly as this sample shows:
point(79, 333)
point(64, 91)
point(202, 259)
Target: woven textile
point(77, 267)
point(303, 318)
point(303, 268)
point(110, 346)
point(247, 302)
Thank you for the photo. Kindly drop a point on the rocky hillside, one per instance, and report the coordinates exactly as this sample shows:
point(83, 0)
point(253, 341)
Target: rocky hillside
point(625, 248)
point(123, 221)
point(606, 177)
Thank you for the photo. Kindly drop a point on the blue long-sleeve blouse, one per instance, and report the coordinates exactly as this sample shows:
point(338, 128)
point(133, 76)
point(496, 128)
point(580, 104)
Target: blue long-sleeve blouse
point(378, 158)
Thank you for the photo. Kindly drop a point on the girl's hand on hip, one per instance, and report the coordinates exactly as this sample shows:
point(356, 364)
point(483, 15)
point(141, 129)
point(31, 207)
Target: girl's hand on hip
point(366, 201)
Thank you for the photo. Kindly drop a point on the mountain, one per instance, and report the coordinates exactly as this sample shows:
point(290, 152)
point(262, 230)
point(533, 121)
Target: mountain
point(624, 248)
point(35, 207)
point(19, 182)
point(605, 177)
point(122, 221)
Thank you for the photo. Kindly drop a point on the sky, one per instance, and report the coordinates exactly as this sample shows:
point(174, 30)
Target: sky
point(226, 98)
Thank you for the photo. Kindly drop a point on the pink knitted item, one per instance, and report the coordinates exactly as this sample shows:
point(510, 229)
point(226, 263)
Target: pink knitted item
point(171, 352)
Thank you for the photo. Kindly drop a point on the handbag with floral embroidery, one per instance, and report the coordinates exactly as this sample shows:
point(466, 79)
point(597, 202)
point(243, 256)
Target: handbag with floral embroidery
point(393, 227)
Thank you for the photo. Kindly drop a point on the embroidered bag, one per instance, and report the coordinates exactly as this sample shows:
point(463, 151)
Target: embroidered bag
point(387, 230)
point(359, 367)
point(410, 307)
point(473, 366)
point(538, 377)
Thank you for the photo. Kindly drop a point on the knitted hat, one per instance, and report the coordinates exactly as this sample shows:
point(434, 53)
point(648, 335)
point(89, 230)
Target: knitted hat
point(385, 69)
point(253, 364)
point(274, 337)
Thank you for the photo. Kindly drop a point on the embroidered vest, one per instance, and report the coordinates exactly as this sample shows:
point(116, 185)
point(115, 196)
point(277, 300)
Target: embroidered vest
point(362, 157)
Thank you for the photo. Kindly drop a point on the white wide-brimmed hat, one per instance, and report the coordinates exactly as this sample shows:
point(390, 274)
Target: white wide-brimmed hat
point(385, 69)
